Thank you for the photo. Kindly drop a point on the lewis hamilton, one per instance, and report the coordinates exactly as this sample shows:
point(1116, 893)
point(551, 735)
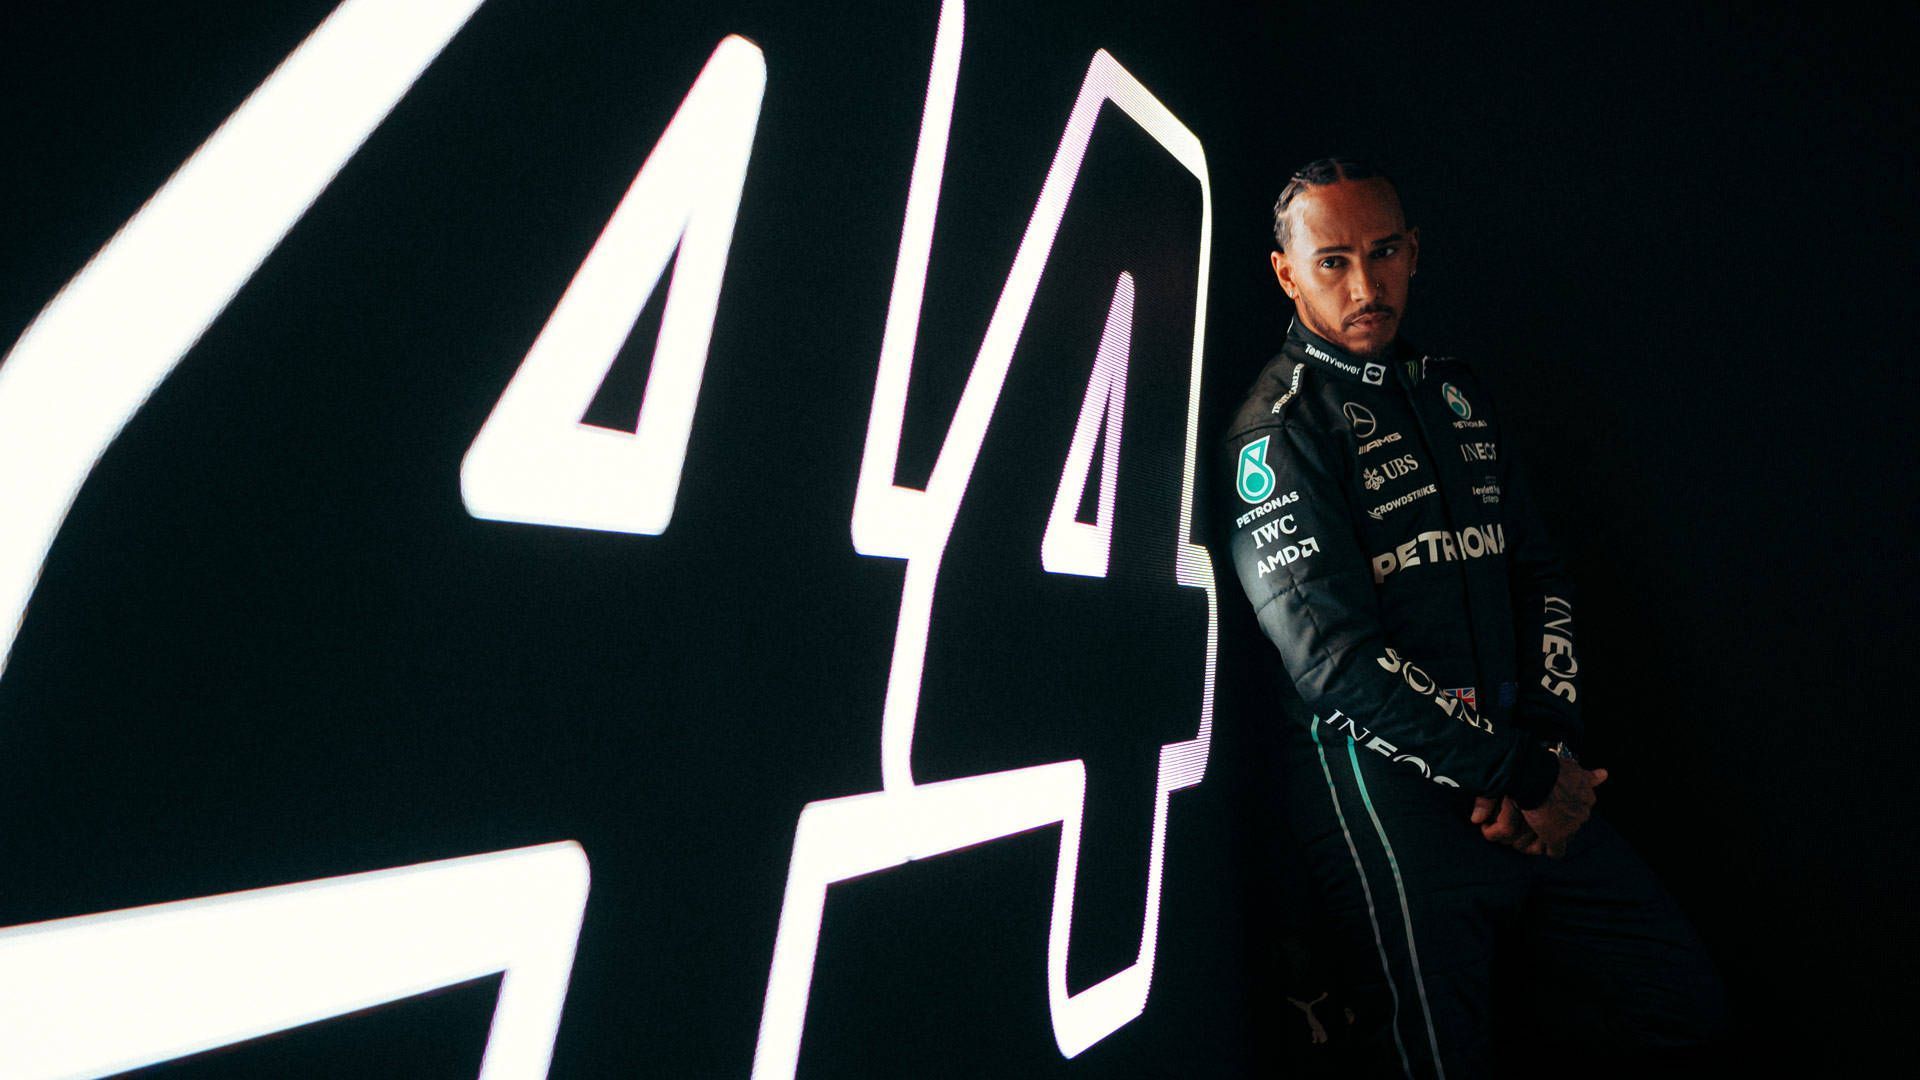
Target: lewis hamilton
point(1426, 668)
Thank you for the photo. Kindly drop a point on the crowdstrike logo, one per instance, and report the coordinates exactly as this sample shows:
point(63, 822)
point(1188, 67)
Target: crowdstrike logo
point(1380, 512)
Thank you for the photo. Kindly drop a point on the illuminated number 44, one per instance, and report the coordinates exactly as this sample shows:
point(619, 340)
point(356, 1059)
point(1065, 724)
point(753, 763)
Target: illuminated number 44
point(95, 353)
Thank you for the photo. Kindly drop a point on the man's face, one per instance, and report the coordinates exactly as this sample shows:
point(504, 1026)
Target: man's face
point(1348, 263)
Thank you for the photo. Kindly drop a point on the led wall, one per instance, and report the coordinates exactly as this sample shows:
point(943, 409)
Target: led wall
point(612, 539)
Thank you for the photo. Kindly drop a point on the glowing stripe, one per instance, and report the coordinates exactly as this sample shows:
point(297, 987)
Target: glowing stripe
point(933, 511)
point(1068, 546)
point(838, 839)
point(100, 994)
point(98, 349)
point(888, 520)
point(864, 833)
point(1366, 890)
point(533, 460)
point(1406, 916)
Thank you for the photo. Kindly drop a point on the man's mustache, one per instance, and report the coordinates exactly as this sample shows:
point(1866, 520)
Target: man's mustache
point(1370, 309)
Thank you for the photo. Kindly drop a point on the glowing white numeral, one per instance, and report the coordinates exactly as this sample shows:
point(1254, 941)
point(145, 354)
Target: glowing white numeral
point(97, 350)
point(1068, 546)
point(890, 520)
point(100, 994)
point(836, 839)
point(534, 461)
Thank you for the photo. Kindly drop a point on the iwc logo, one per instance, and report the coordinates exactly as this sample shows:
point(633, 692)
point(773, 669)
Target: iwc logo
point(1361, 419)
point(1255, 480)
point(1456, 401)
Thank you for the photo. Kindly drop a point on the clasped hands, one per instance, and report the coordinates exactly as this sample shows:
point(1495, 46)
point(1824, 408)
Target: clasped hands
point(1546, 829)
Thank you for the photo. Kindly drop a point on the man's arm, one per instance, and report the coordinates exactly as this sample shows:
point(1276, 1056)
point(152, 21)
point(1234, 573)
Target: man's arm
point(1312, 588)
point(1549, 699)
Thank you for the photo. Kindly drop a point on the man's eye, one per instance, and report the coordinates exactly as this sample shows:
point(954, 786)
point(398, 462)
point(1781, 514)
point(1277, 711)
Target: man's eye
point(1332, 262)
point(1387, 252)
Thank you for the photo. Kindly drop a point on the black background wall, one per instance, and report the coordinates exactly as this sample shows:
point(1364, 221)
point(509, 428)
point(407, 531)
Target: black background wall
point(270, 646)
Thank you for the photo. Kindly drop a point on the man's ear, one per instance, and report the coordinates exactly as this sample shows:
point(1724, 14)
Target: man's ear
point(1413, 251)
point(1283, 271)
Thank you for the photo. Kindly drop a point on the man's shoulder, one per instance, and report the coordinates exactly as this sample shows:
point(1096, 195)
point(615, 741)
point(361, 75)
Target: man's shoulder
point(1465, 392)
point(1444, 365)
point(1285, 393)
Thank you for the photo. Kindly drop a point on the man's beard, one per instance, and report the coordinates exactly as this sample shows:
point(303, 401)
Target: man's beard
point(1385, 346)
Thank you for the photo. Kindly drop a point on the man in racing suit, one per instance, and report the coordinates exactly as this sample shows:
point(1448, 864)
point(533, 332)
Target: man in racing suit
point(1387, 544)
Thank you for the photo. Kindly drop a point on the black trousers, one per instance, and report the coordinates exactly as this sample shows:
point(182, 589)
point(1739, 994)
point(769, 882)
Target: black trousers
point(1454, 950)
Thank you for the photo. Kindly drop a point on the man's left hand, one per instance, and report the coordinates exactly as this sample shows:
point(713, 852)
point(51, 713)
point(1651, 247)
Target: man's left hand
point(1502, 822)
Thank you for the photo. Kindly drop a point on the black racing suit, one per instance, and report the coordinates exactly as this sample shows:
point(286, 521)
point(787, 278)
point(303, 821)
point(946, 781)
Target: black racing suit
point(1389, 549)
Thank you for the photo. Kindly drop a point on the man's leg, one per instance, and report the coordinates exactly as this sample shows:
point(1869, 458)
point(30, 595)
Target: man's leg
point(1415, 897)
point(1617, 968)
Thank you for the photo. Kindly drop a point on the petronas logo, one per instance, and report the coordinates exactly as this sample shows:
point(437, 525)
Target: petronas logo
point(1255, 479)
point(1456, 401)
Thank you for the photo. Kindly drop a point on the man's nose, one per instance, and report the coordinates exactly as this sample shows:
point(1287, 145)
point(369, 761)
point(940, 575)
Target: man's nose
point(1366, 288)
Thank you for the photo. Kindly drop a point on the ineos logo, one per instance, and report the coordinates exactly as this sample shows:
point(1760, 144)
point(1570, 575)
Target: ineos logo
point(1362, 420)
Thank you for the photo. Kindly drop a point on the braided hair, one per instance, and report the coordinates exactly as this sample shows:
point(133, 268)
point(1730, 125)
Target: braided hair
point(1316, 174)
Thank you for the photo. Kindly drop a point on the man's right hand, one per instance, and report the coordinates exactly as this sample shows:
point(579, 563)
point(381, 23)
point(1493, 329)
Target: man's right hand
point(1567, 808)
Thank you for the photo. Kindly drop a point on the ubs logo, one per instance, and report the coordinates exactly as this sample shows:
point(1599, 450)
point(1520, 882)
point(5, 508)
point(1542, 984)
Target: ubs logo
point(1394, 469)
point(1400, 466)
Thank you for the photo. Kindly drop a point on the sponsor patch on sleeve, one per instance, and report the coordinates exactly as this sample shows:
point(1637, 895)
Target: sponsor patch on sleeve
point(1252, 477)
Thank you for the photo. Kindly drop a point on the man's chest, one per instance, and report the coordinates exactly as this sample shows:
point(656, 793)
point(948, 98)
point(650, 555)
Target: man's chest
point(1423, 471)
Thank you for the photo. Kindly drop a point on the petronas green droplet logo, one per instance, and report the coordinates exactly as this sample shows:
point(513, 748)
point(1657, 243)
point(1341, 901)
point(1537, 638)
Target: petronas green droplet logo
point(1456, 401)
point(1256, 480)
